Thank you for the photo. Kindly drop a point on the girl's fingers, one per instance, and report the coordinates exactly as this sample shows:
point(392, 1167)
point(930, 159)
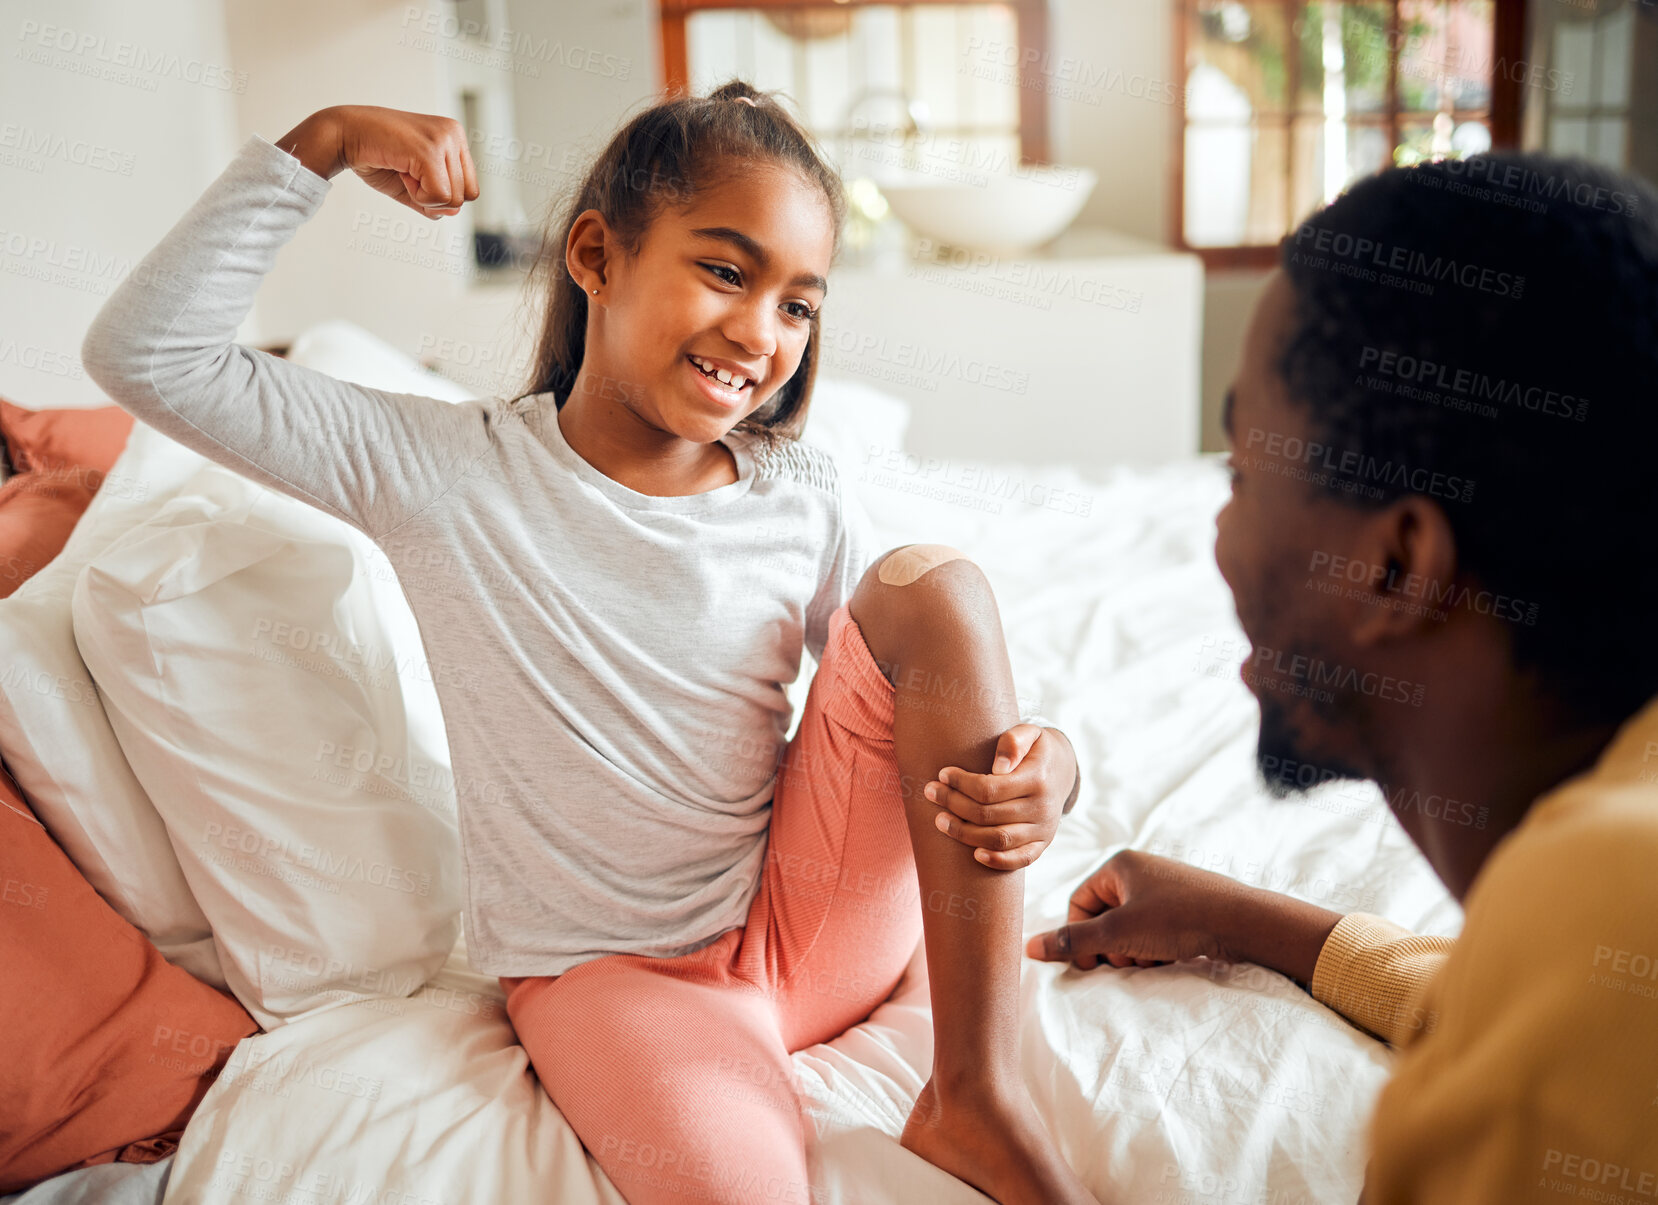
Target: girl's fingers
point(431, 190)
point(971, 810)
point(1013, 859)
point(995, 837)
point(457, 177)
point(469, 173)
point(994, 788)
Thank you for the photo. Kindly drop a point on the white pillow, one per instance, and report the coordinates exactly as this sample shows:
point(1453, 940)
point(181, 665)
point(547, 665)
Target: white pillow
point(58, 740)
point(423, 1100)
point(268, 686)
point(855, 423)
point(347, 352)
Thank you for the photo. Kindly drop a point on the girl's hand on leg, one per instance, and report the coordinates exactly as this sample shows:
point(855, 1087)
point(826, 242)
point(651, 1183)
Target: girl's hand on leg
point(1009, 815)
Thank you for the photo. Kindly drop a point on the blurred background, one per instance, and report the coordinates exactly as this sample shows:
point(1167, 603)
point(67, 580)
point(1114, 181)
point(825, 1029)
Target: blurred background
point(1062, 211)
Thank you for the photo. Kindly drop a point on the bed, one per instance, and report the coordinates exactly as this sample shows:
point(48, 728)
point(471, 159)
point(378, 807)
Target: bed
point(1201, 1083)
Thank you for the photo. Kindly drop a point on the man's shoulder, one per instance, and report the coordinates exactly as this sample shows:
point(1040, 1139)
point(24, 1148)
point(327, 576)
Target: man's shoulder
point(1540, 1042)
point(1575, 879)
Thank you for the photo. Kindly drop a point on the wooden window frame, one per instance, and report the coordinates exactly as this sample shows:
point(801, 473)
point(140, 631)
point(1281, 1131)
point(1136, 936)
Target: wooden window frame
point(1032, 31)
point(1508, 46)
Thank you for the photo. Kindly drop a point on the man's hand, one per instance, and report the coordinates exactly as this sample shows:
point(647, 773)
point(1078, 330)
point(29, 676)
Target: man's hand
point(1010, 814)
point(1139, 909)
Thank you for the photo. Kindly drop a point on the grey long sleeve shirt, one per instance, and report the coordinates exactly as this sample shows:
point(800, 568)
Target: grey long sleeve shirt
point(616, 746)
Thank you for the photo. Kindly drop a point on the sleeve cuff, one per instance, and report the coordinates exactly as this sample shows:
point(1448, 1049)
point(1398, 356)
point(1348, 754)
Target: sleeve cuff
point(301, 179)
point(1372, 971)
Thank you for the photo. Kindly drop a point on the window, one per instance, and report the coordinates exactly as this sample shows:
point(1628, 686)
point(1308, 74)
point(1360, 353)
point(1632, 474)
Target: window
point(899, 74)
point(1287, 101)
point(1589, 114)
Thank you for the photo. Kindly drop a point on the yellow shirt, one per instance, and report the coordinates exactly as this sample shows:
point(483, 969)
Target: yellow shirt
point(1529, 1046)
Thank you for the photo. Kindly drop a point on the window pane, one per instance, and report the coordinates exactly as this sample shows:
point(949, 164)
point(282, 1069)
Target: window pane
point(1423, 54)
point(1309, 145)
point(1243, 45)
point(857, 74)
point(1236, 180)
point(1609, 142)
point(1445, 54)
point(1473, 37)
point(1574, 57)
point(1358, 150)
point(1569, 136)
point(1344, 46)
point(1617, 45)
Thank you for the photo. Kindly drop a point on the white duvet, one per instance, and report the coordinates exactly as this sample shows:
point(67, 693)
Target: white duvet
point(1201, 1083)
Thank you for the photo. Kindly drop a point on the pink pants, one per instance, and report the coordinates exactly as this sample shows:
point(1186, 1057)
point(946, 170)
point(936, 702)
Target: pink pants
point(675, 1072)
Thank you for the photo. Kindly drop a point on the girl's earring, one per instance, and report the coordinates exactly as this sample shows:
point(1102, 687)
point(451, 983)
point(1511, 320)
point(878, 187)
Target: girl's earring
point(595, 292)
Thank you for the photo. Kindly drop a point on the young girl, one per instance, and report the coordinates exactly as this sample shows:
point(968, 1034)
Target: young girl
point(674, 899)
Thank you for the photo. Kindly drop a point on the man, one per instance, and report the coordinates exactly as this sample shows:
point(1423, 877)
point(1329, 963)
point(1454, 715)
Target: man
point(1443, 433)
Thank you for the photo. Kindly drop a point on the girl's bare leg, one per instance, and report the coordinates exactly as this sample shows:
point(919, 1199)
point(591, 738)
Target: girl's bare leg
point(939, 641)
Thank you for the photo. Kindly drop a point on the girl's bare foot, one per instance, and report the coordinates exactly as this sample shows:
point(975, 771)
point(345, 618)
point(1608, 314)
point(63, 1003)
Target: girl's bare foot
point(996, 1142)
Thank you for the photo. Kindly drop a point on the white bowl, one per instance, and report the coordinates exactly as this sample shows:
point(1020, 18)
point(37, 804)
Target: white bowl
point(1010, 211)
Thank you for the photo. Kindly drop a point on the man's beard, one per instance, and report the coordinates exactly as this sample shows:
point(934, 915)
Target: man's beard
point(1286, 765)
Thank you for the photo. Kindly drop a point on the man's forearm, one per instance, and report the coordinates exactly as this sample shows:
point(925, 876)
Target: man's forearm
point(1277, 931)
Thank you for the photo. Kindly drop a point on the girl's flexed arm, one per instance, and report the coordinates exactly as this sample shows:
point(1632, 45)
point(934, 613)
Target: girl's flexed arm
point(163, 344)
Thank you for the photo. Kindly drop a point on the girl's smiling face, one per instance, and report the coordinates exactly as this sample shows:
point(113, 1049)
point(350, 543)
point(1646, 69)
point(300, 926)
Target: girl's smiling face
point(730, 282)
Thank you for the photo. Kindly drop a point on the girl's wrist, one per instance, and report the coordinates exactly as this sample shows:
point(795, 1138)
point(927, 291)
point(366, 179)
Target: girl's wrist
point(316, 143)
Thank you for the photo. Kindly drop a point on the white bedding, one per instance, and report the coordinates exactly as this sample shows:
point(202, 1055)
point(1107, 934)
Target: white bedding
point(1192, 1083)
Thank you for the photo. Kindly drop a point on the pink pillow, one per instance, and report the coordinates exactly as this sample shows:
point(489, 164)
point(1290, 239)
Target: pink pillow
point(105, 1047)
point(38, 510)
point(64, 439)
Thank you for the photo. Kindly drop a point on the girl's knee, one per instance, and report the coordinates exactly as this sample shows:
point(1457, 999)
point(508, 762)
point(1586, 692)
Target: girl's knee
point(919, 592)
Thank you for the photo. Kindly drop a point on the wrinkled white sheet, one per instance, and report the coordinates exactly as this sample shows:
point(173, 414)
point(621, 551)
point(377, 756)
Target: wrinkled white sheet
point(1198, 1083)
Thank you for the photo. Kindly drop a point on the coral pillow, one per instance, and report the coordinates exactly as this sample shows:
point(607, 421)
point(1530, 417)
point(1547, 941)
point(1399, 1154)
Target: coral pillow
point(37, 512)
point(105, 1047)
point(56, 737)
point(64, 439)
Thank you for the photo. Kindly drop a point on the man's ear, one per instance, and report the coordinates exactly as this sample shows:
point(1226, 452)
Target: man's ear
point(587, 250)
point(1410, 552)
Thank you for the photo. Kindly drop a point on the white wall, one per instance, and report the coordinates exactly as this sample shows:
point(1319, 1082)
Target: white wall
point(363, 256)
point(113, 118)
point(1111, 88)
point(576, 70)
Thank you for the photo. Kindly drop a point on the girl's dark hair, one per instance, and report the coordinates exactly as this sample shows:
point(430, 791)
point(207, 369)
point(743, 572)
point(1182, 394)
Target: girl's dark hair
point(665, 156)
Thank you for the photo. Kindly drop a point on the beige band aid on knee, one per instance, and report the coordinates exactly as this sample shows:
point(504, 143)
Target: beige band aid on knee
point(902, 567)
